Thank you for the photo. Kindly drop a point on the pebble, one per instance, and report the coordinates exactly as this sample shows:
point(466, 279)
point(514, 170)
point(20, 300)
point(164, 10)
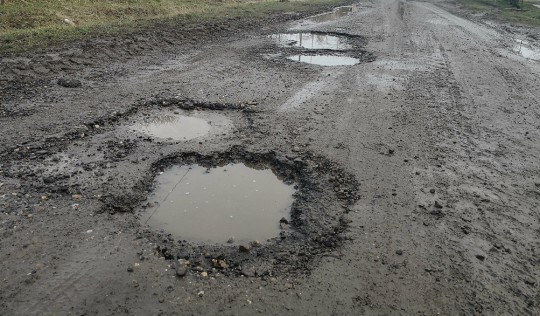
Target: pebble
point(243, 248)
point(255, 243)
point(438, 204)
point(181, 269)
point(399, 252)
point(200, 293)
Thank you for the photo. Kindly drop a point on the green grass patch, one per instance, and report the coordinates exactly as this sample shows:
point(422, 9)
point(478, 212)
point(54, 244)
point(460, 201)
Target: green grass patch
point(503, 9)
point(27, 25)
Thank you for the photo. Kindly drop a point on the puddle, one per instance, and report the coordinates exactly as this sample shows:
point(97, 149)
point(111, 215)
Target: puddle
point(334, 15)
point(312, 41)
point(526, 50)
point(173, 126)
point(325, 60)
point(214, 205)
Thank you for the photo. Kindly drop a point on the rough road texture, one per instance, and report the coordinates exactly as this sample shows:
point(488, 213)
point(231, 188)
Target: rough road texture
point(440, 134)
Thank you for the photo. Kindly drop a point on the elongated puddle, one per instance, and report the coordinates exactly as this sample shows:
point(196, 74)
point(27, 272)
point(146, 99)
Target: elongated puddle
point(325, 60)
point(526, 50)
point(334, 15)
point(218, 204)
point(312, 41)
point(173, 126)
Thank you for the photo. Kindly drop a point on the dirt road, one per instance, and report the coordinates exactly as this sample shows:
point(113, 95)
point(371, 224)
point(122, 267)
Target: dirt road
point(418, 173)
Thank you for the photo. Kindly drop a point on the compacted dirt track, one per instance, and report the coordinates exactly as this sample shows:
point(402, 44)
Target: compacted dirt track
point(418, 168)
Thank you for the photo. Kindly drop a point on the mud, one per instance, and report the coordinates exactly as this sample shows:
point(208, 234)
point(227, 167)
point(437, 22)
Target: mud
point(416, 170)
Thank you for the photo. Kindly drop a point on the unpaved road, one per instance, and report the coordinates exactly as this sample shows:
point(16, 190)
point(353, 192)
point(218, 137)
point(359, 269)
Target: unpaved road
point(438, 134)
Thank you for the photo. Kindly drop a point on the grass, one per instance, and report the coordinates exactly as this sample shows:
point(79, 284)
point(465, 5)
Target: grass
point(27, 25)
point(505, 11)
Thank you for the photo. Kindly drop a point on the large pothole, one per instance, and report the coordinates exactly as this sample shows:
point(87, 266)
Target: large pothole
point(180, 125)
point(286, 234)
point(224, 204)
point(321, 48)
point(312, 40)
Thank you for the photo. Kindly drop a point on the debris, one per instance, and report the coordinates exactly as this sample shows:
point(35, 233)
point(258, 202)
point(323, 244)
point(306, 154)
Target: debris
point(243, 248)
point(69, 21)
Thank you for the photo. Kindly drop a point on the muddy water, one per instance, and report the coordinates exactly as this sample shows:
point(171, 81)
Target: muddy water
point(334, 15)
point(173, 126)
point(325, 60)
point(214, 205)
point(312, 41)
point(526, 50)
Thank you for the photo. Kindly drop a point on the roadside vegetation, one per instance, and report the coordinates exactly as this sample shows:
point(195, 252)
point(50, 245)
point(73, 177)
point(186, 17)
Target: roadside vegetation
point(516, 11)
point(32, 24)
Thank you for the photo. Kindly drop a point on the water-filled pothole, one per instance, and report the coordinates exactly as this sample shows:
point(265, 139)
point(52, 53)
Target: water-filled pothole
point(221, 204)
point(526, 50)
point(325, 60)
point(173, 126)
point(312, 41)
point(334, 15)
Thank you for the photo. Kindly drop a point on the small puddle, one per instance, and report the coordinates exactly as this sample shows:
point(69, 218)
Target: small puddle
point(173, 126)
point(312, 41)
point(526, 50)
point(217, 204)
point(325, 60)
point(334, 15)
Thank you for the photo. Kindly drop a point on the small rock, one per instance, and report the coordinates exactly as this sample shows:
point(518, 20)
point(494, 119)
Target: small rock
point(69, 21)
point(200, 294)
point(69, 83)
point(76, 196)
point(284, 220)
point(243, 248)
point(481, 257)
point(204, 274)
point(130, 269)
point(438, 204)
point(230, 240)
point(432, 191)
point(181, 269)
point(255, 243)
point(218, 263)
point(399, 252)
